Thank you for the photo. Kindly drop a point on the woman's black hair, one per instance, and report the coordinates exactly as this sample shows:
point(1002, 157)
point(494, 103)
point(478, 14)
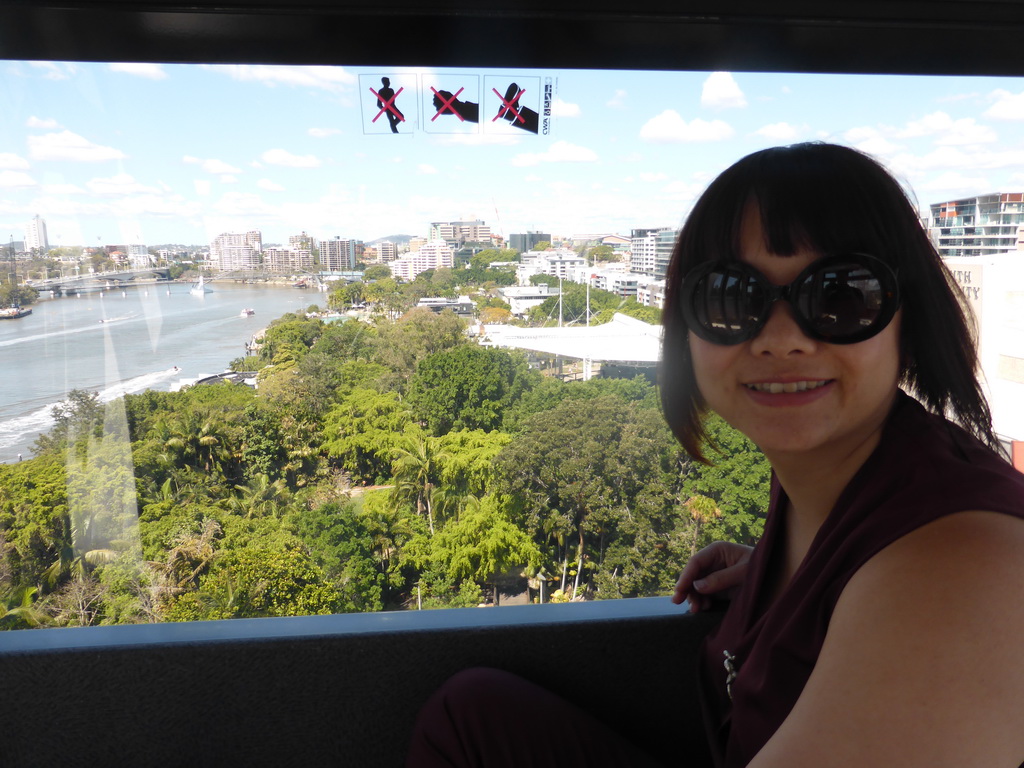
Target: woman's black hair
point(830, 199)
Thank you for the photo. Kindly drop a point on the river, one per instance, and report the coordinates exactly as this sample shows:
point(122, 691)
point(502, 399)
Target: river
point(127, 341)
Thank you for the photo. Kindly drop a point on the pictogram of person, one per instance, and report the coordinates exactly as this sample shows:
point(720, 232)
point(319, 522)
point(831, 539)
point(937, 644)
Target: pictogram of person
point(386, 101)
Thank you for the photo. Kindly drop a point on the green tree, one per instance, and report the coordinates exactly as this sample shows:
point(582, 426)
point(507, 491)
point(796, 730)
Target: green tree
point(255, 582)
point(478, 545)
point(737, 483)
point(377, 272)
point(363, 431)
point(468, 387)
point(583, 478)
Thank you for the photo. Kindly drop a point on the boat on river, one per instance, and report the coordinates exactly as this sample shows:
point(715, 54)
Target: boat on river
point(13, 313)
point(247, 312)
point(199, 288)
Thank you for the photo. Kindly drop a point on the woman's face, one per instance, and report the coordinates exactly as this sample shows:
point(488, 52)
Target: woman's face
point(838, 395)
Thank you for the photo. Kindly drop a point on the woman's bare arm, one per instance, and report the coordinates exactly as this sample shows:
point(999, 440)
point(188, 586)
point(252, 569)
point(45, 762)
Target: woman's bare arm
point(923, 664)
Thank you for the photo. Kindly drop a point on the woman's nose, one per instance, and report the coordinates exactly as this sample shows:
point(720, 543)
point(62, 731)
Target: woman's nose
point(781, 335)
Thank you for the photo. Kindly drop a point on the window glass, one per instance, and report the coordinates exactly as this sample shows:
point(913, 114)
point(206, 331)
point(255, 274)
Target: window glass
point(293, 340)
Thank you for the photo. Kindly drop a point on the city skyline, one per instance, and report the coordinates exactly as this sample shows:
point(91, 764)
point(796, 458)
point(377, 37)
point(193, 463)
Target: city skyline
point(159, 153)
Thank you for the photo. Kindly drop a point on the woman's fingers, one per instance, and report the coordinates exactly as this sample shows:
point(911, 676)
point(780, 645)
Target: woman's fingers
point(719, 567)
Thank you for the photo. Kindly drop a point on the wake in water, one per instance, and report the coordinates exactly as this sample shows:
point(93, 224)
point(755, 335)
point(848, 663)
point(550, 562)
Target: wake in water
point(89, 328)
point(14, 432)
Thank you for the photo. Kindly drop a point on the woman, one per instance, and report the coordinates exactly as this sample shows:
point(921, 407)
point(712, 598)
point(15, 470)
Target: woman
point(878, 620)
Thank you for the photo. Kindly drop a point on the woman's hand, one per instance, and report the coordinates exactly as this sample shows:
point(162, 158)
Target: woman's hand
point(717, 570)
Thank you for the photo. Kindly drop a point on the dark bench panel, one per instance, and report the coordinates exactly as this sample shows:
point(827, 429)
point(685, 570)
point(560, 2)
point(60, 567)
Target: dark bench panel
point(330, 690)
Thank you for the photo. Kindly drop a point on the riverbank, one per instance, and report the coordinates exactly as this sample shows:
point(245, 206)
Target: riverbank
point(126, 341)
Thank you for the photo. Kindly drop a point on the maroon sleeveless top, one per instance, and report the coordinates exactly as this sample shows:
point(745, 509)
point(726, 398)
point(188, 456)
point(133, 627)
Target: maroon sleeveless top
point(923, 468)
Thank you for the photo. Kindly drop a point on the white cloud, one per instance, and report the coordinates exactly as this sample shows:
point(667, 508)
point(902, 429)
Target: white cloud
point(323, 133)
point(650, 178)
point(269, 185)
point(287, 159)
point(1007, 106)
point(118, 184)
point(211, 165)
point(946, 130)
point(561, 108)
point(332, 79)
point(10, 160)
point(16, 180)
point(779, 132)
point(148, 71)
point(721, 91)
point(228, 178)
point(426, 169)
point(62, 189)
point(68, 146)
point(951, 158)
point(669, 127)
point(876, 145)
point(618, 101)
point(559, 152)
point(47, 124)
point(952, 181)
point(55, 70)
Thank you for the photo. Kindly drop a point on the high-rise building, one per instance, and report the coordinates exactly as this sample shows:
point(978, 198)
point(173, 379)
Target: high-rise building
point(35, 235)
point(644, 250)
point(665, 242)
point(338, 255)
point(431, 255)
point(458, 233)
point(387, 251)
point(285, 260)
point(525, 241)
point(302, 242)
point(236, 250)
point(978, 226)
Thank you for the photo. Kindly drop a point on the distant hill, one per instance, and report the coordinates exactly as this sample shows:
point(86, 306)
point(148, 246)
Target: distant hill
point(396, 239)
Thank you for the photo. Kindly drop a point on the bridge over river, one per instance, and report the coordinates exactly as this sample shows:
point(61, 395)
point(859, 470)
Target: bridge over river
point(97, 281)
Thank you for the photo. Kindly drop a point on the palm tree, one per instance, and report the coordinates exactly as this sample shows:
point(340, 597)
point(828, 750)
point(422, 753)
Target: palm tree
point(416, 468)
point(260, 497)
point(16, 608)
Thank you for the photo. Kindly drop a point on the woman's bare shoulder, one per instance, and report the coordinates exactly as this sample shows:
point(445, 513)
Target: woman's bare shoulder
point(922, 663)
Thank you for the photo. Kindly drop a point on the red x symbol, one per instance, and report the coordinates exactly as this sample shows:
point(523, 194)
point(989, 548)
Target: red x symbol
point(387, 105)
point(508, 106)
point(446, 104)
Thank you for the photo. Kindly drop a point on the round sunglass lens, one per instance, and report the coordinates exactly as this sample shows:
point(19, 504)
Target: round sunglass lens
point(728, 303)
point(841, 301)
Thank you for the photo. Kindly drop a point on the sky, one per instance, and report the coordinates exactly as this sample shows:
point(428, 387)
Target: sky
point(170, 153)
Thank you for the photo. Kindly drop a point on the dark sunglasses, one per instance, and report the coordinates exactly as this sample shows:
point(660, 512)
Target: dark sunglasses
point(837, 299)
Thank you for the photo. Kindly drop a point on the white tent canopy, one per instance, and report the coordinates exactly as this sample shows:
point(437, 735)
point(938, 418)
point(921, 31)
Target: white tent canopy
point(625, 341)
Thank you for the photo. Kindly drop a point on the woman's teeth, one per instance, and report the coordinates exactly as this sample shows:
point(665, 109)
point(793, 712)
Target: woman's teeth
point(778, 387)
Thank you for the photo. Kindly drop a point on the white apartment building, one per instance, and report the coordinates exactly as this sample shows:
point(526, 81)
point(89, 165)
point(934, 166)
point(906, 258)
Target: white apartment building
point(432, 255)
point(387, 252)
point(338, 255)
point(35, 235)
point(458, 233)
point(978, 226)
point(650, 292)
point(286, 260)
point(615, 281)
point(521, 298)
point(643, 244)
point(236, 250)
point(302, 242)
point(560, 262)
